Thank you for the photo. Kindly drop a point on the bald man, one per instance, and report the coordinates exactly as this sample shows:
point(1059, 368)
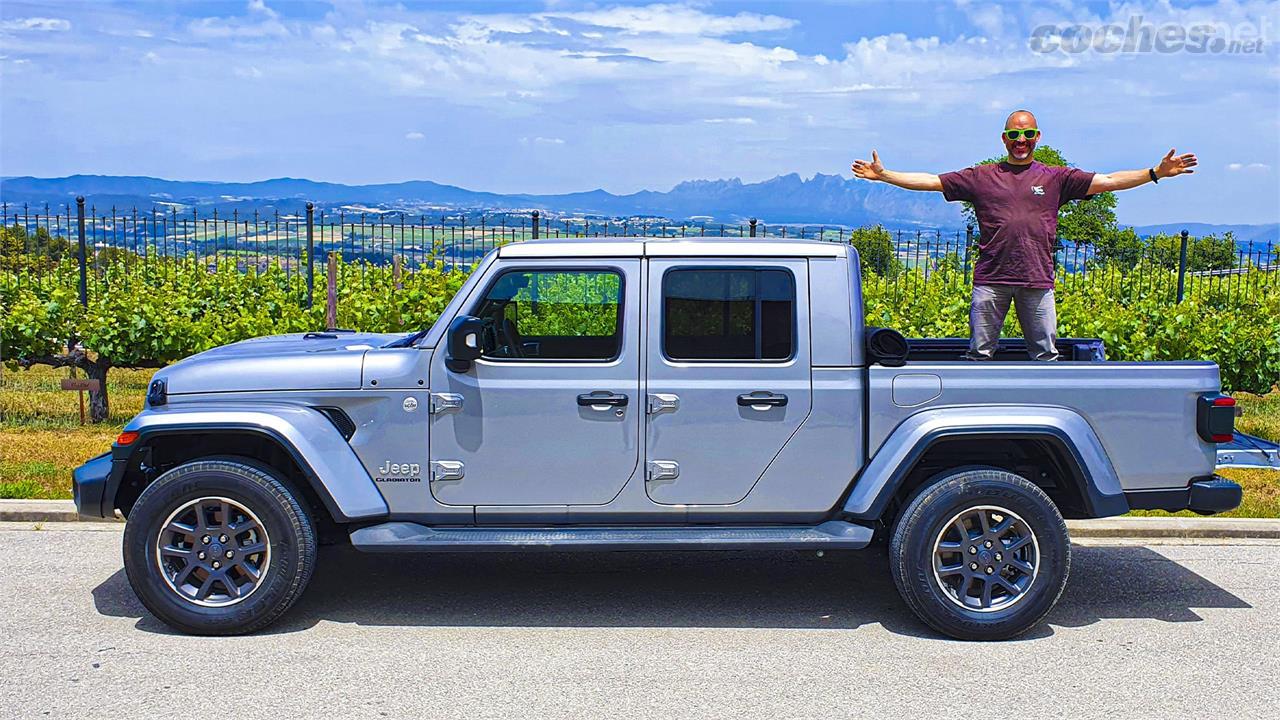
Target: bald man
point(1017, 203)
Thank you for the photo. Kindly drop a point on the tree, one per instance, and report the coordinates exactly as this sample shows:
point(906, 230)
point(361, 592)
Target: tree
point(1120, 248)
point(37, 250)
point(1203, 253)
point(148, 312)
point(1213, 253)
point(1080, 222)
point(875, 249)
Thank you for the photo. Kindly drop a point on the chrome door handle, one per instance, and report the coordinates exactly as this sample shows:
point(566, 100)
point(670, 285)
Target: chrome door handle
point(762, 400)
point(602, 400)
point(445, 470)
point(445, 402)
point(660, 470)
point(663, 402)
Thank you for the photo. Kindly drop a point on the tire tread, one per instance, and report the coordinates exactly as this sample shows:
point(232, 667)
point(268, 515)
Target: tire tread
point(301, 527)
point(961, 481)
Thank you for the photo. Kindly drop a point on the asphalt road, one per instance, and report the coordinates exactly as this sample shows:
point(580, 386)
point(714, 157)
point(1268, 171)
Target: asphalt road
point(1142, 631)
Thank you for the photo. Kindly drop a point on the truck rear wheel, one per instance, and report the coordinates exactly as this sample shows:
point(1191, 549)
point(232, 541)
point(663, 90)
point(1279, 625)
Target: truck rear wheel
point(980, 554)
point(218, 547)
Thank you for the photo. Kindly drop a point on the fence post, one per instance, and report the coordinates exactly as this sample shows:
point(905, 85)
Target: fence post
point(535, 225)
point(753, 227)
point(968, 240)
point(311, 254)
point(1182, 265)
point(331, 302)
point(84, 252)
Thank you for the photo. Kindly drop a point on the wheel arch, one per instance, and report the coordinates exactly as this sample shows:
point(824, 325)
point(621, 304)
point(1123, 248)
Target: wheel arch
point(1054, 448)
point(298, 442)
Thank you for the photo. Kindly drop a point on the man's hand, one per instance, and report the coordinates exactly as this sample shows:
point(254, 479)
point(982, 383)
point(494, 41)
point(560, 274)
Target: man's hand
point(1172, 165)
point(873, 170)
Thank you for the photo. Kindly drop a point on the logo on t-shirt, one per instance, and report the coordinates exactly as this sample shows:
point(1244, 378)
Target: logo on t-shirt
point(1037, 189)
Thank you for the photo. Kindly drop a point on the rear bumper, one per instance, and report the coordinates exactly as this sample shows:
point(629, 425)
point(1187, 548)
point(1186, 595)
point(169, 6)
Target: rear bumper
point(89, 487)
point(1206, 495)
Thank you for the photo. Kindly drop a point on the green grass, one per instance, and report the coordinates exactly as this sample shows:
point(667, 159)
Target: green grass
point(42, 440)
point(33, 399)
point(1261, 414)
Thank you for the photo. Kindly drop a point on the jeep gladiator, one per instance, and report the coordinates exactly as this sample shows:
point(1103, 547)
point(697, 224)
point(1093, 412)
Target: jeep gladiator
point(640, 393)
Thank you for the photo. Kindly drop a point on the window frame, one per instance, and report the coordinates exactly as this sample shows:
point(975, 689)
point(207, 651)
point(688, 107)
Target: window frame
point(795, 302)
point(621, 319)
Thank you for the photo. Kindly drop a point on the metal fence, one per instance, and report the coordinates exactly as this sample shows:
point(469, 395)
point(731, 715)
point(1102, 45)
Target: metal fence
point(907, 259)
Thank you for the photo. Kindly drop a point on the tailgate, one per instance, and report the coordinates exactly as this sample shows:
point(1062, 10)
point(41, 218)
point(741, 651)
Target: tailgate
point(1248, 451)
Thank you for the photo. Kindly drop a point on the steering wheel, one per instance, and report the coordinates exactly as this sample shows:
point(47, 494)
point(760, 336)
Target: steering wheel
point(507, 332)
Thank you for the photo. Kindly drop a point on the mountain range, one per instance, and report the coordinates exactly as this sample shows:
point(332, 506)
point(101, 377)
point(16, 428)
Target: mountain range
point(827, 199)
point(822, 199)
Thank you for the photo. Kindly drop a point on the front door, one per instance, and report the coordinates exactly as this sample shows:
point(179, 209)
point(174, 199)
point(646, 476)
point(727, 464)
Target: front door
point(550, 414)
point(727, 366)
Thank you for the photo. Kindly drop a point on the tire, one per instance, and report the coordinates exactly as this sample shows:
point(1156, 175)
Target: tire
point(263, 564)
point(1035, 538)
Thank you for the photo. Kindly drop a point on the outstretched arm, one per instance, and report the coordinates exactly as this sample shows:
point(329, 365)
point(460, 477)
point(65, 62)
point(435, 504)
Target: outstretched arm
point(874, 170)
point(1170, 166)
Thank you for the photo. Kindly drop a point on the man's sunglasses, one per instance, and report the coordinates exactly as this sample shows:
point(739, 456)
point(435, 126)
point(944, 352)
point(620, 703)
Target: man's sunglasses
point(1029, 133)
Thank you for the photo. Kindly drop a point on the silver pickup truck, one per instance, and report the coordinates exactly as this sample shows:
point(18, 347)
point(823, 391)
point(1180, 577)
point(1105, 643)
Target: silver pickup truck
point(625, 393)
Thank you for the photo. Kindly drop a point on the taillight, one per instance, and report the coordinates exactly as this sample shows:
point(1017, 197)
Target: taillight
point(1216, 417)
point(127, 437)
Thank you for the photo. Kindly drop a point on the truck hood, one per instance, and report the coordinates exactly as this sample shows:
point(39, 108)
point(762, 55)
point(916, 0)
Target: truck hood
point(299, 361)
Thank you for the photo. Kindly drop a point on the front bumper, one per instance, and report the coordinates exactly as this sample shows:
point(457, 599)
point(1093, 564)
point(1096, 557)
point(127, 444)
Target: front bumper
point(89, 487)
point(1206, 495)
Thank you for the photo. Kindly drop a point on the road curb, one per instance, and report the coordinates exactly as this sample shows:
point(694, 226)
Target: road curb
point(1176, 527)
point(1117, 527)
point(45, 511)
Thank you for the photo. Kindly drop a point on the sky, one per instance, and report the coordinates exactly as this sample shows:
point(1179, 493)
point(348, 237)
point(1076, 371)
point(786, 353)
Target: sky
point(567, 96)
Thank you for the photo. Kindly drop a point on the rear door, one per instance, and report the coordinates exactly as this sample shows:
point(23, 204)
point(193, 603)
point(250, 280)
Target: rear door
point(727, 367)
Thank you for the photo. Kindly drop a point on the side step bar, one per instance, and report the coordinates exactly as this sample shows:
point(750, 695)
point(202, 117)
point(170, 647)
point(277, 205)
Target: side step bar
point(412, 537)
point(1248, 451)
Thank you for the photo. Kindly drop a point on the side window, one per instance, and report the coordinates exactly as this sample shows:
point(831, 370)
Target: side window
point(728, 314)
point(553, 315)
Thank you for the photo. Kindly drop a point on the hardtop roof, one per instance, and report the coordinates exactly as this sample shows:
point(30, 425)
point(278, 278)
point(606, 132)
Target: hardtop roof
point(627, 246)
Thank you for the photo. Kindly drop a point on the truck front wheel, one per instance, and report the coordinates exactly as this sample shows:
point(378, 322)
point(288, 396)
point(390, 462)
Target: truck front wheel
point(218, 547)
point(980, 554)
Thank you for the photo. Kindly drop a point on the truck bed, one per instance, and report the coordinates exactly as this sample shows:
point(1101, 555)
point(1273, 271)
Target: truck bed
point(1144, 413)
point(953, 349)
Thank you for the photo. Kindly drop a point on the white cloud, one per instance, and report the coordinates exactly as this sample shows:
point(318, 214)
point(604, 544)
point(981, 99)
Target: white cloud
point(675, 20)
point(656, 84)
point(38, 24)
point(267, 25)
point(415, 136)
point(987, 17)
point(760, 101)
point(260, 7)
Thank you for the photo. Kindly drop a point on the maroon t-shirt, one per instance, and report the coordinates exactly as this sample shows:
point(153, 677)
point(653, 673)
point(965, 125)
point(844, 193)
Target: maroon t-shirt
point(1017, 209)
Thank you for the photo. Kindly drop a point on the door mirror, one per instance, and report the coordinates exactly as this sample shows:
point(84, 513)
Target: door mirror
point(465, 342)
